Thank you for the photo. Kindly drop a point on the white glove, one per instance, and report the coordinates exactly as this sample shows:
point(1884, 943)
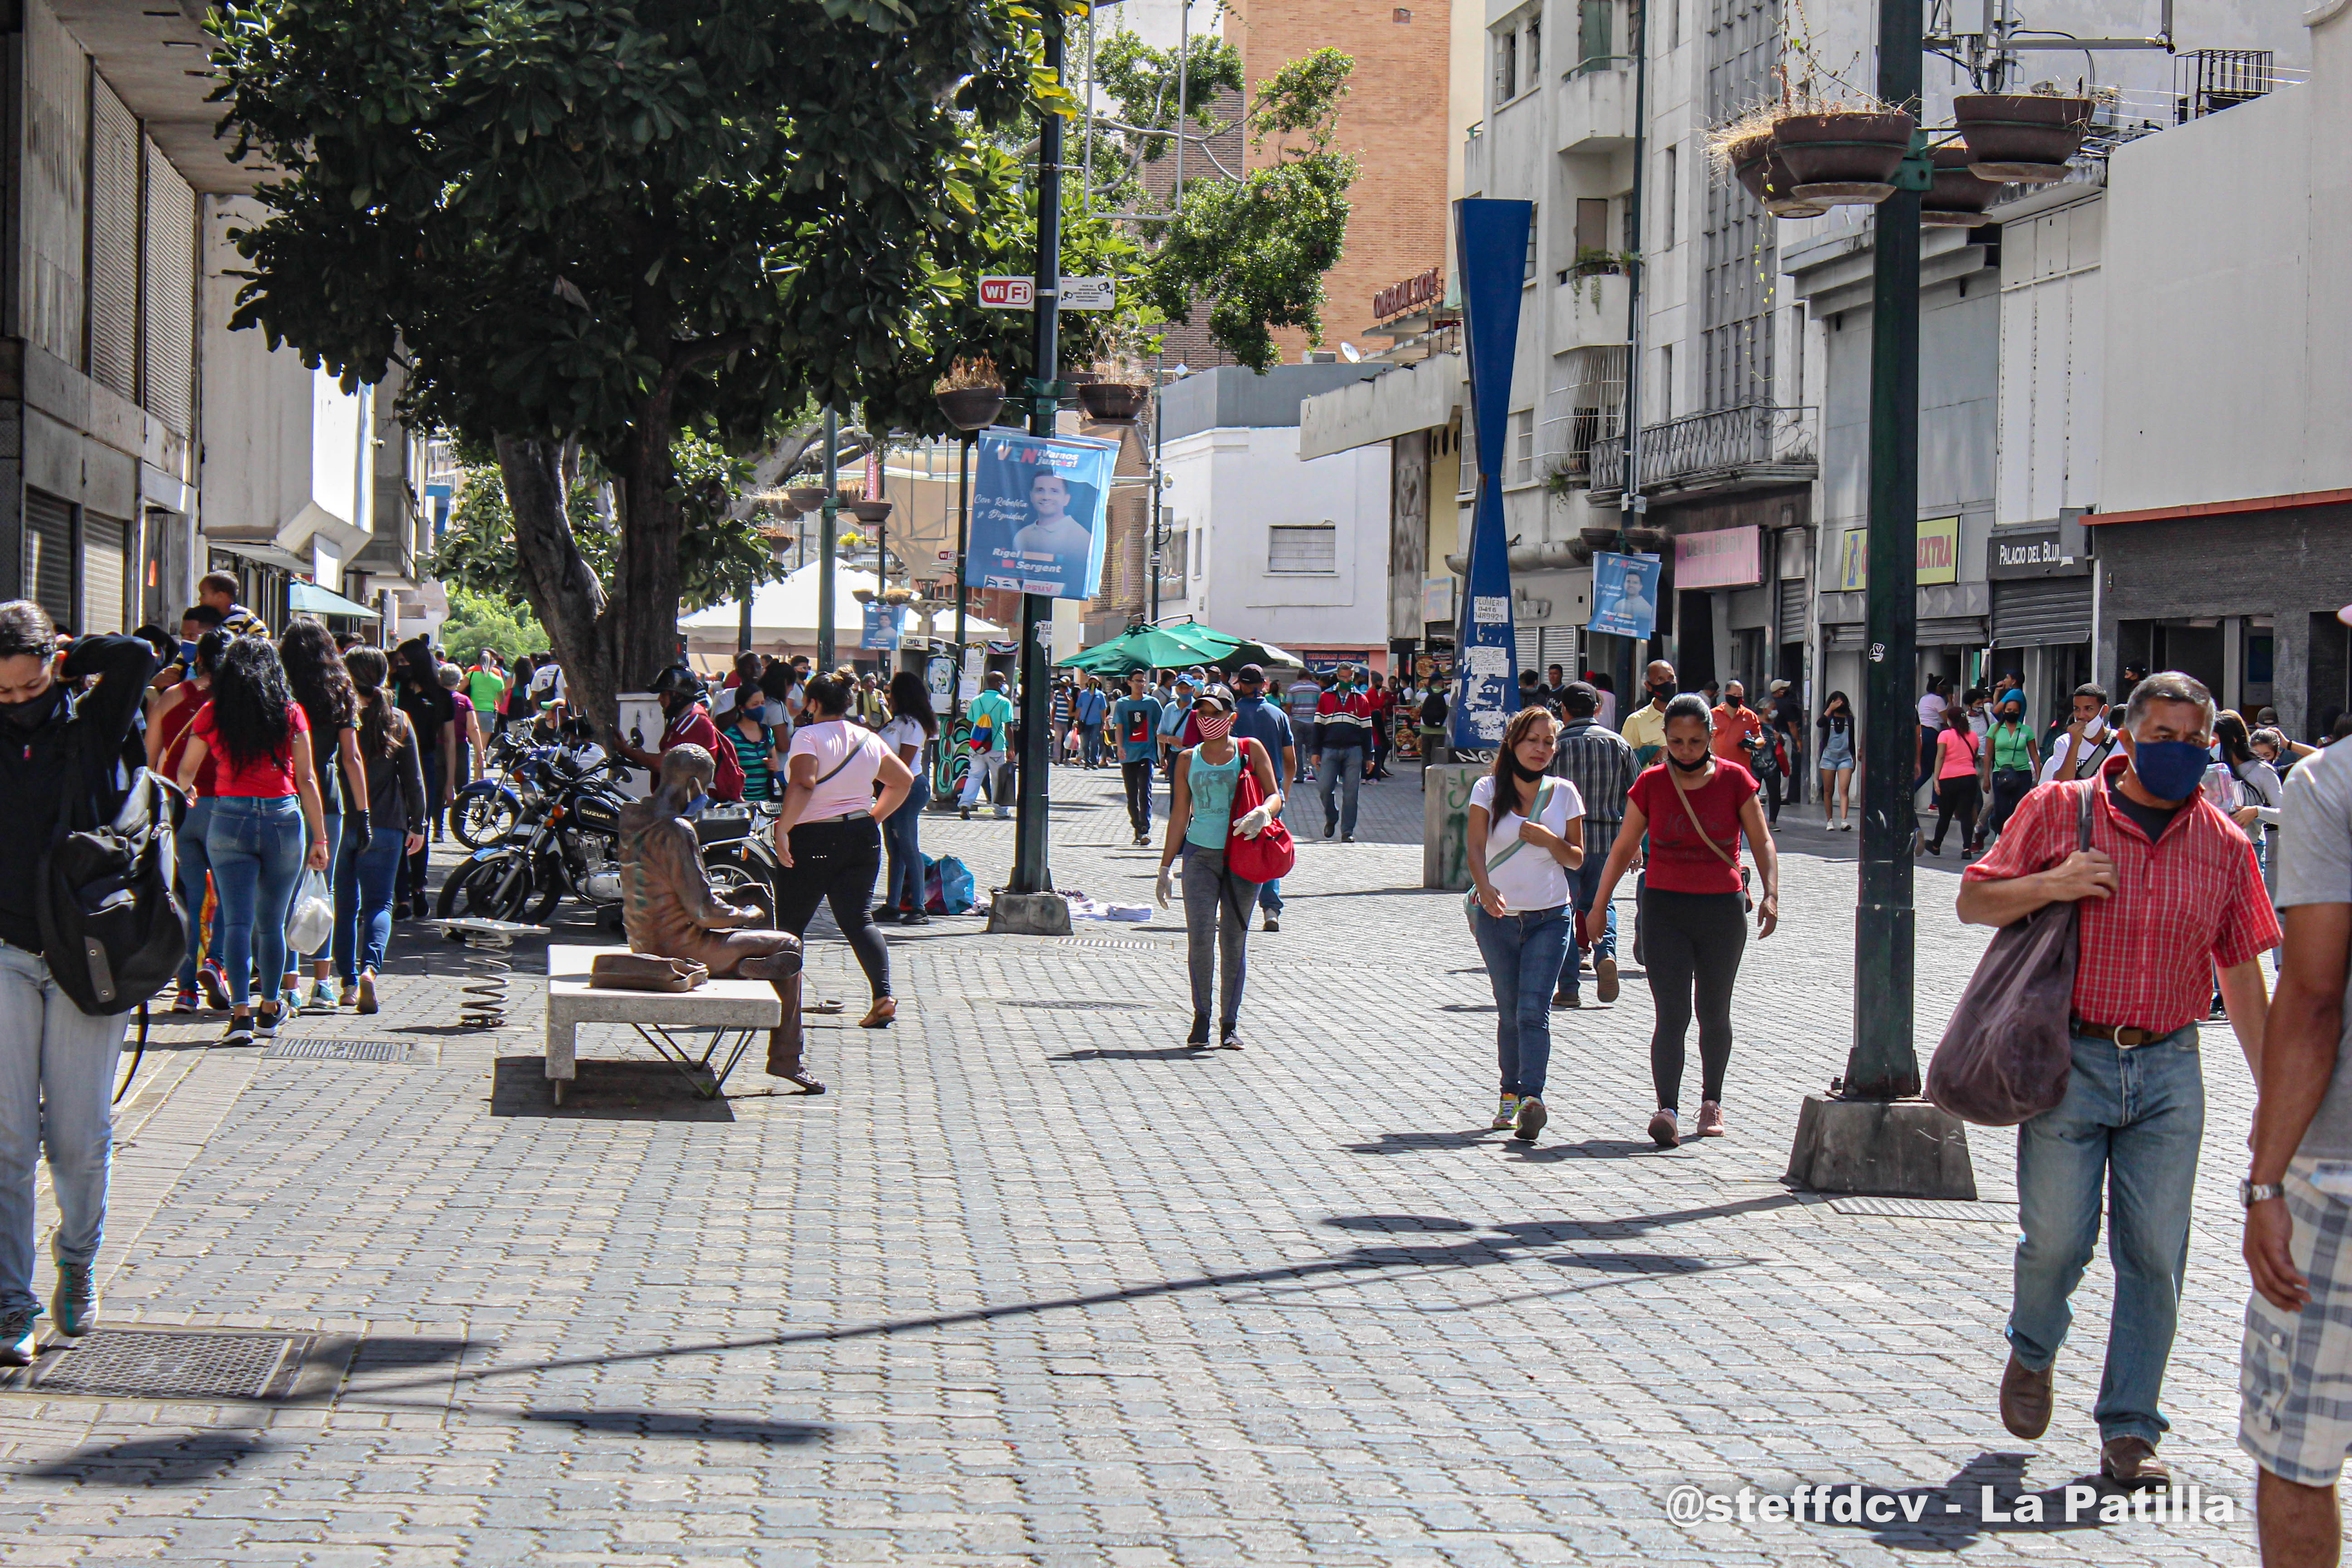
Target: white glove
point(1167, 888)
point(1254, 821)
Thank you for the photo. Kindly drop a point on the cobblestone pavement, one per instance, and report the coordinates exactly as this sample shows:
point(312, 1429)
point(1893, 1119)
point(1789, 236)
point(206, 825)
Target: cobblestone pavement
point(1035, 1285)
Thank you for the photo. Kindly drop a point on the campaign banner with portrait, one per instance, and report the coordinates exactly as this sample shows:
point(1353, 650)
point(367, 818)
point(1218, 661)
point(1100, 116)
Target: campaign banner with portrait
point(883, 625)
point(1625, 594)
point(1039, 512)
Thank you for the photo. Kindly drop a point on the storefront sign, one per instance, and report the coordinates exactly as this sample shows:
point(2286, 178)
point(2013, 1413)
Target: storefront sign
point(1437, 600)
point(1625, 594)
point(1938, 561)
point(1726, 558)
point(1414, 291)
point(2032, 552)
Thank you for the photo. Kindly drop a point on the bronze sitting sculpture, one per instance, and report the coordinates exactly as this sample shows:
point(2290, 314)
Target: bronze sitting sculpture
point(669, 910)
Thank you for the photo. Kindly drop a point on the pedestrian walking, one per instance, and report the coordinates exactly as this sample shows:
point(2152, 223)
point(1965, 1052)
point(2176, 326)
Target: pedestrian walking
point(486, 687)
point(1932, 703)
point(2245, 786)
point(1956, 782)
point(2133, 1114)
point(990, 743)
point(1645, 727)
point(1601, 764)
point(1063, 710)
point(2009, 762)
point(1525, 836)
point(1785, 716)
point(1837, 762)
point(167, 733)
point(912, 727)
point(375, 841)
point(2082, 749)
point(1175, 722)
point(841, 781)
point(266, 822)
point(1695, 806)
point(1343, 729)
point(687, 721)
point(2298, 1204)
point(218, 589)
point(1135, 719)
point(1607, 686)
point(417, 689)
point(1257, 719)
point(1301, 698)
point(1382, 703)
point(316, 674)
point(56, 1062)
point(752, 744)
point(1204, 785)
point(1089, 711)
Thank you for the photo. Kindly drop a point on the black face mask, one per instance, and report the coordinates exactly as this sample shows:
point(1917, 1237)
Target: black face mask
point(1662, 691)
point(1519, 771)
point(1688, 767)
point(33, 712)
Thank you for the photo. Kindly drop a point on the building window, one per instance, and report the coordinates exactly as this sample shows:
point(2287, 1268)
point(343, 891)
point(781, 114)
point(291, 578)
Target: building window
point(1667, 382)
point(1303, 547)
point(1506, 66)
point(1534, 49)
point(1584, 404)
point(1523, 446)
point(1592, 41)
point(1528, 264)
point(1591, 226)
point(1666, 194)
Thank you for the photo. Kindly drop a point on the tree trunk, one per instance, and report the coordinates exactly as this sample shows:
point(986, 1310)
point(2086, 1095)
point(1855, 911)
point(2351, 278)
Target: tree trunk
point(562, 589)
point(643, 616)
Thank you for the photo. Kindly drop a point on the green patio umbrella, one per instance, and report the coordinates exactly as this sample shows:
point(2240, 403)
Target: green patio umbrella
point(1173, 647)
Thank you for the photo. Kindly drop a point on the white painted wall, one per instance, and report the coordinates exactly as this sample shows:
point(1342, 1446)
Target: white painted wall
point(1228, 486)
point(2054, 335)
point(2229, 326)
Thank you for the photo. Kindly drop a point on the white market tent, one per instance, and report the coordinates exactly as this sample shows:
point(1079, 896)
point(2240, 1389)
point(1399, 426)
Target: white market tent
point(786, 612)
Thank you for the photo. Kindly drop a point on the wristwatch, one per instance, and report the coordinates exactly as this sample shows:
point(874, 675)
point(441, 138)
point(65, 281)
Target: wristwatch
point(2251, 1192)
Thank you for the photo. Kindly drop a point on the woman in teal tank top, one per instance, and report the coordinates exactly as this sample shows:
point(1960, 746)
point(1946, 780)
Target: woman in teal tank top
point(1200, 817)
point(2011, 761)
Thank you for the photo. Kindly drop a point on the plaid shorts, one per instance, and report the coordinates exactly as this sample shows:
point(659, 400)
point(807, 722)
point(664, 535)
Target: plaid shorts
point(2295, 1369)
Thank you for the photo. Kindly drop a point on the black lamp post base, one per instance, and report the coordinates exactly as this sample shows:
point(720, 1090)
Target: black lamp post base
point(1029, 914)
point(1885, 1148)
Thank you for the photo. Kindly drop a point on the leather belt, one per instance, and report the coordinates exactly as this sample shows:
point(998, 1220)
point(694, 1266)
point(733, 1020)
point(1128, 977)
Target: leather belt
point(2126, 1036)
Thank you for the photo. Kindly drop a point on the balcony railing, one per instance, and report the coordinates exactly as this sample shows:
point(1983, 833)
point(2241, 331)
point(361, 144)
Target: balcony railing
point(1723, 450)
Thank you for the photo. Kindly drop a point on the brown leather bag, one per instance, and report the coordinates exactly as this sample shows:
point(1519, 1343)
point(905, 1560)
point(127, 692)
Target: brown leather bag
point(2009, 1050)
point(645, 972)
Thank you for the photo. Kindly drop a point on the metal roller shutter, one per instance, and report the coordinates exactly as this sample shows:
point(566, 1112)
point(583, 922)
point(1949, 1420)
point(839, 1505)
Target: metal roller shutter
point(1792, 612)
point(113, 241)
point(168, 377)
point(1528, 645)
point(49, 555)
point(105, 573)
point(2035, 612)
point(1951, 631)
point(1844, 638)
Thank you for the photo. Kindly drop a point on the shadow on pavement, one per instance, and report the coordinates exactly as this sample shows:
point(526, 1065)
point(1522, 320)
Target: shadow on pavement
point(198, 1459)
point(604, 1092)
point(699, 1428)
point(1137, 1053)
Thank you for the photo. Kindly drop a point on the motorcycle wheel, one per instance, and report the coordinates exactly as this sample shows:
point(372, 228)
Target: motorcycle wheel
point(479, 890)
point(483, 818)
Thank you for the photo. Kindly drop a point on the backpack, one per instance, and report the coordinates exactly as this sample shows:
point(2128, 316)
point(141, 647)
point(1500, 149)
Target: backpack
point(112, 928)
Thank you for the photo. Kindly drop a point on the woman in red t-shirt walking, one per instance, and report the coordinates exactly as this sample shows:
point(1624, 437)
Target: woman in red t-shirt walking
point(258, 836)
point(1694, 806)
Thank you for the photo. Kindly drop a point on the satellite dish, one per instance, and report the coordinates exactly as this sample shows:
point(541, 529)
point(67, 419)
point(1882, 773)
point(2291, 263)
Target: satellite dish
point(1351, 353)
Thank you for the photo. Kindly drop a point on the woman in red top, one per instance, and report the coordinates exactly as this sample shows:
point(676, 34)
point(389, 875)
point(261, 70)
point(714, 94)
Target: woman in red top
point(261, 739)
point(167, 743)
point(1694, 806)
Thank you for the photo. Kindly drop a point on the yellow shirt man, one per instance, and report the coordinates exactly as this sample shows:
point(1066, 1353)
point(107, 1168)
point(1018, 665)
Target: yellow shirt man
point(1645, 731)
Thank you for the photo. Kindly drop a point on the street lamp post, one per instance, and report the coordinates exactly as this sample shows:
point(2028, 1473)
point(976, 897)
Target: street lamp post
point(963, 544)
point(828, 515)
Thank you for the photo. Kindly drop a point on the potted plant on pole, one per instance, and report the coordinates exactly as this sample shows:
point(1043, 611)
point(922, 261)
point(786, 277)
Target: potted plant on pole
point(2024, 138)
point(971, 393)
point(1745, 148)
point(1844, 153)
point(1958, 198)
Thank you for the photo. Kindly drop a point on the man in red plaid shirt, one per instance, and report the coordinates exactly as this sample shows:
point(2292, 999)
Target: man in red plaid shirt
point(2169, 894)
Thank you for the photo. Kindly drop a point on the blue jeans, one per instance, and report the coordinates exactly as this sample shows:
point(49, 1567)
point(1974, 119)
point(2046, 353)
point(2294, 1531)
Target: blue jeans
point(334, 865)
point(902, 888)
point(1583, 881)
point(194, 867)
point(1341, 767)
point(364, 876)
point(256, 851)
point(1523, 957)
point(2132, 1120)
point(56, 1077)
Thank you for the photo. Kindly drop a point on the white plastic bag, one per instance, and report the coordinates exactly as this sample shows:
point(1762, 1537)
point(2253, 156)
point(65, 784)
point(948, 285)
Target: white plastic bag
point(312, 921)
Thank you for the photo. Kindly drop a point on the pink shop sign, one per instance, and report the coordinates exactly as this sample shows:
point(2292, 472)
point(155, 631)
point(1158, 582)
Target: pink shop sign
point(1724, 559)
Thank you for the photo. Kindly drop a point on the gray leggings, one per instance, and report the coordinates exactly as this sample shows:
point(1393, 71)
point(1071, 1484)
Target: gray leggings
point(1216, 917)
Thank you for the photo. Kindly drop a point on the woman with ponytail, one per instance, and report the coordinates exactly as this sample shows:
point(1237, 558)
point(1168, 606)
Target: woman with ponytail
point(1201, 819)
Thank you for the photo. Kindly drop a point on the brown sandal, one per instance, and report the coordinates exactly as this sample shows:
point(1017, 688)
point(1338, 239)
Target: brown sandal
point(884, 1008)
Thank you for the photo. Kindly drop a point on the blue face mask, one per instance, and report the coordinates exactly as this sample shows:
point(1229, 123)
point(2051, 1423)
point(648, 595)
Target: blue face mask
point(188, 654)
point(694, 807)
point(2169, 769)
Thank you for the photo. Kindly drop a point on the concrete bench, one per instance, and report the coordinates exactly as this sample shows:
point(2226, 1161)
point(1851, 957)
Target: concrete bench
point(733, 1013)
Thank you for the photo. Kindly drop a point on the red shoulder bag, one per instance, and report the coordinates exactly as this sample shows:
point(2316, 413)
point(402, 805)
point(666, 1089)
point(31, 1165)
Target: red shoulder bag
point(1271, 854)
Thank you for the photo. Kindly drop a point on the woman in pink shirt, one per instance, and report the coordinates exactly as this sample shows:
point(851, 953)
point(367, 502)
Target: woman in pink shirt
point(1956, 781)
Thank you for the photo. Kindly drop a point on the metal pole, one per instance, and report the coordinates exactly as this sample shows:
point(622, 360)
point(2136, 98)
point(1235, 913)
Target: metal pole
point(1030, 872)
point(1633, 504)
point(827, 514)
point(1183, 78)
point(1159, 448)
point(963, 542)
point(1882, 1064)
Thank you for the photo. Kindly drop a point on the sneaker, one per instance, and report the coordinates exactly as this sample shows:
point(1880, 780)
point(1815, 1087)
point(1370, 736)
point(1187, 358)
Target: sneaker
point(1330, 829)
point(74, 1304)
point(367, 991)
point(1530, 1120)
point(1567, 999)
point(215, 980)
point(914, 918)
point(1346, 839)
point(1710, 1118)
point(1143, 842)
point(240, 1031)
point(1200, 1035)
point(1663, 1131)
point(185, 1002)
point(265, 1021)
point(1273, 923)
point(350, 995)
point(16, 1343)
point(1506, 1113)
point(1004, 813)
point(321, 999)
point(964, 813)
point(1604, 970)
point(1231, 1040)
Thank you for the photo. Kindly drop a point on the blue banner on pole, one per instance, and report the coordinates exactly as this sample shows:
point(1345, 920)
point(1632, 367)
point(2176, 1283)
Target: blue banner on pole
point(1491, 245)
point(1039, 512)
point(882, 625)
point(1625, 594)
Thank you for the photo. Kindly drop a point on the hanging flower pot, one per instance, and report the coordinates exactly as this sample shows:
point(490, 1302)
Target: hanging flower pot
point(2022, 138)
point(1111, 402)
point(1843, 159)
point(871, 512)
point(1958, 198)
point(1756, 165)
point(971, 408)
point(805, 498)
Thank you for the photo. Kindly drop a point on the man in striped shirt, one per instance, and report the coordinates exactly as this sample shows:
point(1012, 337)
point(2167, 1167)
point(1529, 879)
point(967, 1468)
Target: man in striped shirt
point(1600, 765)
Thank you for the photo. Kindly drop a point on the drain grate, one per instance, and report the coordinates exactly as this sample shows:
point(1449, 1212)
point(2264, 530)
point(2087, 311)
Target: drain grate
point(1123, 946)
point(156, 1364)
point(327, 1050)
point(1097, 1006)
point(1925, 1208)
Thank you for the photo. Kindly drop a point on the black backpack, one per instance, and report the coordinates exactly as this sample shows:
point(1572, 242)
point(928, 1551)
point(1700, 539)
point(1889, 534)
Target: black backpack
point(112, 927)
